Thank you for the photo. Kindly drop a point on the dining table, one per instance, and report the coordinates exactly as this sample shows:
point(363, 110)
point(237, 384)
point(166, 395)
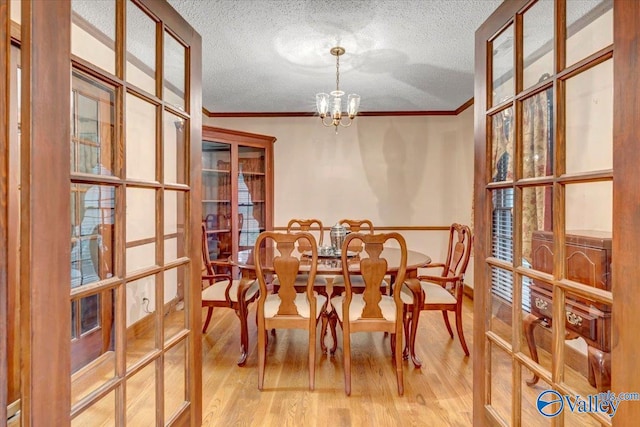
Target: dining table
point(331, 265)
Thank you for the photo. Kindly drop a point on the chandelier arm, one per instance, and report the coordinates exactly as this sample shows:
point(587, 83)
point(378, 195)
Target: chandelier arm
point(349, 121)
point(325, 123)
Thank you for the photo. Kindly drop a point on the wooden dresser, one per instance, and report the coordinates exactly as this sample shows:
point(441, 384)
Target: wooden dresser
point(588, 255)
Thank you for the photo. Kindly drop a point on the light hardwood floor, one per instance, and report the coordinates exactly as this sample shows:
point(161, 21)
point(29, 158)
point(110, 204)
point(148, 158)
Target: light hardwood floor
point(438, 394)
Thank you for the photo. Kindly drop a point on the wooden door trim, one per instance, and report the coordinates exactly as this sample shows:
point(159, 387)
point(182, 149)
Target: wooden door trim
point(45, 251)
point(13, 234)
point(497, 22)
point(626, 221)
point(193, 293)
point(5, 108)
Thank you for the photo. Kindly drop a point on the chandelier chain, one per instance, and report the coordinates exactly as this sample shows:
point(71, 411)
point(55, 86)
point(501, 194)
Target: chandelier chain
point(337, 72)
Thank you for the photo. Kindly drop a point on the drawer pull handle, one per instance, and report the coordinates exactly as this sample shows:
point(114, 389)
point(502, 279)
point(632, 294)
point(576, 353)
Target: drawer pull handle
point(541, 304)
point(574, 319)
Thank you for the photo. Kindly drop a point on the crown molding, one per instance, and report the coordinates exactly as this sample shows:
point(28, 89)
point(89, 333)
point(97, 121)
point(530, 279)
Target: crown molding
point(464, 106)
point(363, 114)
point(212, 133)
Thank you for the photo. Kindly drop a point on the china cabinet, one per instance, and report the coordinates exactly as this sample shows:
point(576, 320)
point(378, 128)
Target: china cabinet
point(237, 189)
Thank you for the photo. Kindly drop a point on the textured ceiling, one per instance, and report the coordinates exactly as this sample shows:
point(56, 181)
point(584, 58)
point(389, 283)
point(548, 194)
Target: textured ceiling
point(273, 55)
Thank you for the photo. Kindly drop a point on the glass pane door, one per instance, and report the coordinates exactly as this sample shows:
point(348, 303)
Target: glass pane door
point(547, 274)
point(134, 330)
point(251, 195)
point(216, 198)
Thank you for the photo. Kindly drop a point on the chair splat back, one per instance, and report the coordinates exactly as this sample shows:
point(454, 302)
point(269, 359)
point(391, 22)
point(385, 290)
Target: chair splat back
point(373, 272)
point(459, 250)
point(373, 268)
point(286, 266)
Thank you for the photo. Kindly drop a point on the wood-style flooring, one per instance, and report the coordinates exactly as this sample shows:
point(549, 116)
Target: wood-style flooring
point(438, 394)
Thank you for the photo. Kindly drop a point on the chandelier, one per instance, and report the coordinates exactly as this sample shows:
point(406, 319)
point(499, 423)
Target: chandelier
point(330, 105)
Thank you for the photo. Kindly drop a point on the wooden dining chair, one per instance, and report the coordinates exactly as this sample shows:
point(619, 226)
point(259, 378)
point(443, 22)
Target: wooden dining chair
point(287, 308)
point(371, 310)
point(306, 225)
point(357, 283)
point(221, 290)
point(355, 226)
point(444, 292)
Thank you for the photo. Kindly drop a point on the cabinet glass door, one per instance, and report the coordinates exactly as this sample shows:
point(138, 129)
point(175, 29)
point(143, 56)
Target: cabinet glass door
point(251, 195)
point(216, 198)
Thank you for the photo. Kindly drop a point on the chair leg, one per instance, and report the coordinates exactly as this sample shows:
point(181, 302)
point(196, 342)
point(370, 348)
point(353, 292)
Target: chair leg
point(415, 318)
point(392, 344)
point(262, 350)
point(406, 310)
point(312, 355)
point(398, 362)
point(244, 333)
point(459, 329)
point(346, 347)
point(207, 320)
point(446, 322)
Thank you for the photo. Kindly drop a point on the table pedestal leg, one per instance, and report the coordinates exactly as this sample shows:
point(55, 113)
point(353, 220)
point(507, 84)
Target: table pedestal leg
point(323, 331)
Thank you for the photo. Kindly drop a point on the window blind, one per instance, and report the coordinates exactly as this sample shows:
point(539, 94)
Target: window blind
point(502, 249)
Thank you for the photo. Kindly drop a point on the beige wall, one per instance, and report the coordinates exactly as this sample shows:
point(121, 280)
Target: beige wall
point(16, 13)
point(396, 171)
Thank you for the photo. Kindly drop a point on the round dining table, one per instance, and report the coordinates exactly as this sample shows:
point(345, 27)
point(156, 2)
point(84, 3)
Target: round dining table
point(332, 265)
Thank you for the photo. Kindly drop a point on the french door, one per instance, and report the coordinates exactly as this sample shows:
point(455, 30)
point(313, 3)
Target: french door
point(556, 214)
point(109, 215)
